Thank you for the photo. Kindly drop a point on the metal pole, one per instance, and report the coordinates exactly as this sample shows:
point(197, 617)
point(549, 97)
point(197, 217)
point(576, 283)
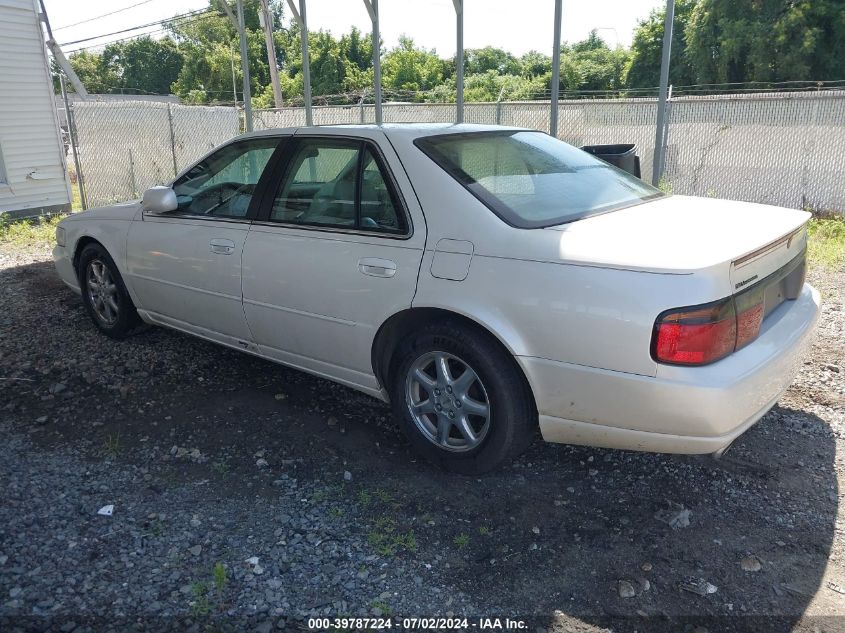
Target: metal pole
point(267, 19)
point(459, 61)
point(372, 9)
point(659, 147)
point(71, 129)
point(306, 63)
point(172, 139)
point(555, 70)
point(245, 68)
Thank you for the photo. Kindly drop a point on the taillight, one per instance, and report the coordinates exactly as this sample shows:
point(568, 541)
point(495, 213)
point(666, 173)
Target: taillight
point(696, 335)
point(704, 334)
point(750, 309)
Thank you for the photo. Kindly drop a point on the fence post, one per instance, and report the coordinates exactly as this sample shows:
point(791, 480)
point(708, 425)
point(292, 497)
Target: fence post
point(499, 112)
point(172, 139)
point(71, 128)
point(132, 174)
point(361, 107)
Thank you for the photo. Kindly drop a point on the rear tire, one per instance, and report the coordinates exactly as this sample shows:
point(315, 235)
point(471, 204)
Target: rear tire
point(467, 423)
point(104, 294)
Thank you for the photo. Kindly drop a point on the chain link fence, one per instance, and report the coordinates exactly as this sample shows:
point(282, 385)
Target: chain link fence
point(127, 147)
point(783, 148)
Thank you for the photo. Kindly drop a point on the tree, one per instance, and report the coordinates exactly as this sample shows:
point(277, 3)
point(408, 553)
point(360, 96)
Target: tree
point(143, 65)
point(481, 60)
point(647, 49)
point(407, 68)
point(97, 78)
point(766, 40)
point(598, 67)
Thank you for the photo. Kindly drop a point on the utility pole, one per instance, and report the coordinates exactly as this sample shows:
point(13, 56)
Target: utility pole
point(459, 61)
point(238, 23)
point(245, 67)
point(267, 24)
point(302, 21)
point(660, 133)
point(59, 56)
point(555, 70)
point(372, 9)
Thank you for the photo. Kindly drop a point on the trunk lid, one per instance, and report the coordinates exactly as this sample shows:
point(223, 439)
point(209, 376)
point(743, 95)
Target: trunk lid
point(740, 242)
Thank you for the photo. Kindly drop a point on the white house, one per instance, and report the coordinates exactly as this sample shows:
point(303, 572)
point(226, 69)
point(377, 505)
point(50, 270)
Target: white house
point(33, 179)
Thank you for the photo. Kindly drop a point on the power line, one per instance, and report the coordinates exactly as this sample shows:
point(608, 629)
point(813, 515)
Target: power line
point(131, 6)
point(140, 35)
point(140, 26)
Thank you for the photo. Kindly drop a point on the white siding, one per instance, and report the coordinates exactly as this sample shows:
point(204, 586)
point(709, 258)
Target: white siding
point(30, 142)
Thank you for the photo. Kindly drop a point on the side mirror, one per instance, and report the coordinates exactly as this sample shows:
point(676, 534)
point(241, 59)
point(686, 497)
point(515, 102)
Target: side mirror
point(159, 200)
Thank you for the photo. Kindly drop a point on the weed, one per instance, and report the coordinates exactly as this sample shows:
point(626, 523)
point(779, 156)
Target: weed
point(111, 446)
point(336, 513)
point(221, 468)
point(461, 540)
point(826, 247)
point(382, 605)
point(484, 530)
point(29, 232)
point(386, 539)
point(364, 497)
point(200, 606)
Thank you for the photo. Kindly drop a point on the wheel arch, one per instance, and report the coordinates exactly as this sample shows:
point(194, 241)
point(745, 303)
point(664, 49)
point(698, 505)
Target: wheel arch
point(403, 323)
point(81, 243)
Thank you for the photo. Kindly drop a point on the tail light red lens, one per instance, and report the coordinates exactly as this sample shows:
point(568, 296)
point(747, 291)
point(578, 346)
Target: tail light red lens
point(704, 334)
point(697, 335)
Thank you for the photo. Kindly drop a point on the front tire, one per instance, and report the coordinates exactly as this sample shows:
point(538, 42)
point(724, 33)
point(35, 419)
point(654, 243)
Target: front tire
point(104, 294)
point(461, 399)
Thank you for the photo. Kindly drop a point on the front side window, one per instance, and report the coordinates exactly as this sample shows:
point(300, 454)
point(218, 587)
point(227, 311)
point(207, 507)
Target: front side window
point(222, 184)
point(337, 183)
point(531, 179)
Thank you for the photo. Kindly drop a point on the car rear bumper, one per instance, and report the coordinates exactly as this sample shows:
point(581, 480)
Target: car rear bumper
point(680, 409)
point(62, 258)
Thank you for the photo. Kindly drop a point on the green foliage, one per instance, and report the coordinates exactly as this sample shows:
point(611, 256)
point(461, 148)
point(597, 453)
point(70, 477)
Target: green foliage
point(647, 49)
point(714, 41)
point(461, 540)
point(26, 233)
point(387, 540)
point(826, 247)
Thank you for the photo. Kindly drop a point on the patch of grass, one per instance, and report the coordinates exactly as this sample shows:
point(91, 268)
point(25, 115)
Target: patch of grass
point(386, 538)
point(36, 232)
point(220, 580)
point(200, 605)
point(364, 497)
point(76, 197)
point(111, 445)
point(826, 248)
point(336, 513)
point(461, 540)
point(220, 467)
point(484, 530)
point(381, 604)
point(383, 496)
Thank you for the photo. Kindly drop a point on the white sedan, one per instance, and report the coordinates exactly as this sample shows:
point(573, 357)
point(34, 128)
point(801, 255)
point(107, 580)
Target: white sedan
point(483, 280)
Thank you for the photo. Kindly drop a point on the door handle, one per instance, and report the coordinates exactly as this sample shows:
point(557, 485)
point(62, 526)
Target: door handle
point(377, 267)
point(222, 247)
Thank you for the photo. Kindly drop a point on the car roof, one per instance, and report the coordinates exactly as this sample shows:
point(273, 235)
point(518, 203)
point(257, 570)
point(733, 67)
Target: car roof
point(391, 130)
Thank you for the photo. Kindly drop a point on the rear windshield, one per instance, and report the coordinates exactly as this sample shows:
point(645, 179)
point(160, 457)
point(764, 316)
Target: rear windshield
point(531, 179)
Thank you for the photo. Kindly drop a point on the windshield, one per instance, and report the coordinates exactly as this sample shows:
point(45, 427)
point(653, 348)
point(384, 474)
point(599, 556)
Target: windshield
point(531, 179)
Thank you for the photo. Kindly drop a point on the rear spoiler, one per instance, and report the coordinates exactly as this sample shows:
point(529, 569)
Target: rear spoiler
point(624, 156)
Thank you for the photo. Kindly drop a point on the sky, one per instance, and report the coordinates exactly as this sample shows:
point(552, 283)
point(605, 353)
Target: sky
point(517, 26)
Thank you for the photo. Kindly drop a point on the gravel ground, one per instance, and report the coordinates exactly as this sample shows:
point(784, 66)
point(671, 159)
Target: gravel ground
point(249, 495)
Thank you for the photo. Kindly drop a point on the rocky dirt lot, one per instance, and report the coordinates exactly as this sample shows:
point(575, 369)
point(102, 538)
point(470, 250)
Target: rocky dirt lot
point(247, 495)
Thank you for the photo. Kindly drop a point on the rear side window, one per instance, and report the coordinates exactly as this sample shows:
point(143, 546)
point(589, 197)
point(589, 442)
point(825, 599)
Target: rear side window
point(531, 179)
point(337, 183)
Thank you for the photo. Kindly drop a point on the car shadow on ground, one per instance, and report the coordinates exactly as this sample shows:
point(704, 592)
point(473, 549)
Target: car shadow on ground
point(570, 537)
